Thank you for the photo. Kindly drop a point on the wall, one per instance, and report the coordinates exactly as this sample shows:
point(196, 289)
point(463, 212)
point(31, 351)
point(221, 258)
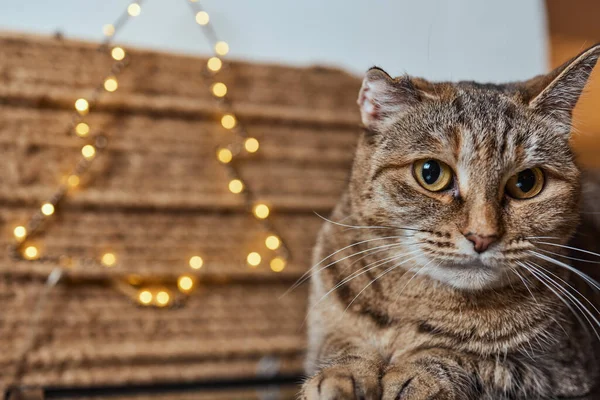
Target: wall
point(460, 39)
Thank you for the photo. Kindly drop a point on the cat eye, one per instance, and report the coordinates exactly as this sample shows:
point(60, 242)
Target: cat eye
point(433, 175)
point(526, 184)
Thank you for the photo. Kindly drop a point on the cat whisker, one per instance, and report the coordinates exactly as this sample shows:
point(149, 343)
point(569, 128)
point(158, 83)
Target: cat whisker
point(568, 257)
point(590, 281)
point(366, 227)
point(568, 247)
point(514, 270)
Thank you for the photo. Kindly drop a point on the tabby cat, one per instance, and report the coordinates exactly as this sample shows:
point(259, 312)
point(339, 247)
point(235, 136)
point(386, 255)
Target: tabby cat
point(448, 269)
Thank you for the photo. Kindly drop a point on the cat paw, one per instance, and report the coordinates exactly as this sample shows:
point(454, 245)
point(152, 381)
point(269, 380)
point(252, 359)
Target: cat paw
point(356, 381)
point(410, 382)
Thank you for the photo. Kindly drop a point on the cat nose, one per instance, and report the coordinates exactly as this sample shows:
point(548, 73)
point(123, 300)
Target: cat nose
point(481, 242)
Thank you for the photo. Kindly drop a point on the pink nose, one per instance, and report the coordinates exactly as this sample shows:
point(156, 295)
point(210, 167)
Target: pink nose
point(481, 243)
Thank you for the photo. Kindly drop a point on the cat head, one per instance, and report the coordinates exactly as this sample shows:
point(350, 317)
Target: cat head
point(470, 173)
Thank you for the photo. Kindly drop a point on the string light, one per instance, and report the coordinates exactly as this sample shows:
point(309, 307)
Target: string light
point(224, 155)
point(134, 9)
point(47, 209)
point(31, 253)
point(236, 186)
point(108, 30)
point(117, 53)
point(88, 151)
point(221, 48)
point(162, 298)
point(202, 18)
point(82, 106)
point(219, 89)
point(82, 129)
point(20, 232)
point(185, 283)
point(145, 297)
point(228, 121)
point(214, 64)
point(261, 211)
point(253, 259)
point(277, 264)
point(73, 181)
point(111, 84)
point(251, 145)
point(109, 259)
point(196, 262)
point(272, 242)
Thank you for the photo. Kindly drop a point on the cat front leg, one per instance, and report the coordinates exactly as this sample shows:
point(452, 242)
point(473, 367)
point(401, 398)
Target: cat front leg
point(352, 377)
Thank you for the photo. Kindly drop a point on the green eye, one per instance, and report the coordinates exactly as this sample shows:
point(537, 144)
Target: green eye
point(526, 184)
point(433, 175)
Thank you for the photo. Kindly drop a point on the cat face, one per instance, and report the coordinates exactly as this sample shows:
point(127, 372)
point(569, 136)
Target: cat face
point(469, 173)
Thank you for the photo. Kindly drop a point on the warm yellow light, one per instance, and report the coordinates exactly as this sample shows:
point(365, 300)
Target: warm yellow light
point(82, 106)
point(224, 155)
point(228, 121)
point(253, 259)
point(145, 297)
point(73, 181)
point(108, 30)
point(277, 264)
point(118, 53)
point(236, 186)
point(221, 48)
point(110, 84)
point(20, 232)
point(261, 211)
point(31, 253)
point(196, 262)
point(251, 145)
point(109, 259)
point(272, 242)
point(202, 18)
point(219, 89)
point(185, 283)
point(47, 209)
point(82, 129)
point(162, 298)
point(88, 151)
point(214, 64)
point(134, 9)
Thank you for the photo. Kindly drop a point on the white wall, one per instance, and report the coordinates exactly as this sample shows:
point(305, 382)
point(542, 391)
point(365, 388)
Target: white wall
point(487, 40)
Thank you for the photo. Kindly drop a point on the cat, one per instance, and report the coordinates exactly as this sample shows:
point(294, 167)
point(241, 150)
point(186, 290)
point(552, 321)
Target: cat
point(443, 272)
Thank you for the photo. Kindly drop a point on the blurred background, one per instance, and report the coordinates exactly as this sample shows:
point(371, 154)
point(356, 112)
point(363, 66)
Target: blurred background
point(164, 161)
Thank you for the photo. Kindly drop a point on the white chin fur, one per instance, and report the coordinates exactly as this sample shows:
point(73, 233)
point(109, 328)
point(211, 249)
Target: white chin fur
point(466, 278)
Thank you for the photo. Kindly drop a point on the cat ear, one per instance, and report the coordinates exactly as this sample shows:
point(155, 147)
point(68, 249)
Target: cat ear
point(382, 97)
point(557, 93)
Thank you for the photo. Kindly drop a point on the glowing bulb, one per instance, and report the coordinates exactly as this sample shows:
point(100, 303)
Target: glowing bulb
point(261, 211)
point(20, 232)
point(228, 121)
point(277, 264)
point(110, 84)
point(145, 297)
point(82, 106)
point(221, 48)
point(47, 209)
point(134, 9)
point(272, 242)
point(224, 155)
point(253, 259)
point(202, 18)
point(31, 253)
point(251, 145)
point(108, 30)
point(82, 129)
point(219, 89)
point(162, 298)
point(73, 181)
point(88, 151)
point(236, 186)
point(196, 262)
point(214, 64)
point(185, 283)
point(109, 259)
point(118, 53)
